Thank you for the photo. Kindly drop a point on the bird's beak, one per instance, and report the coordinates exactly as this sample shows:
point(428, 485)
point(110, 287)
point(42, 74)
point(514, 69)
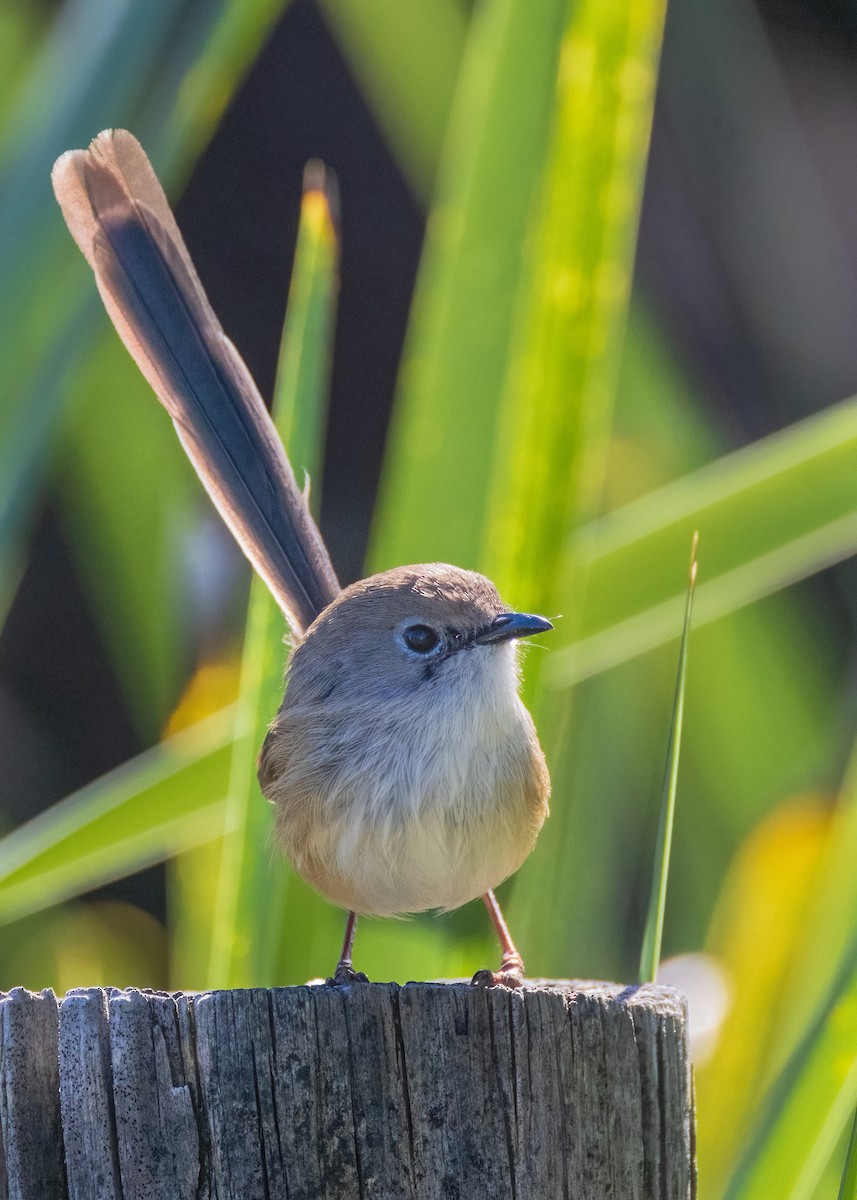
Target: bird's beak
point(511, 625)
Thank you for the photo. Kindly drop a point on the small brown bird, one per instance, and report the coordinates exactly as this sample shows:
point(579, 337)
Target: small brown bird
point(405, 771)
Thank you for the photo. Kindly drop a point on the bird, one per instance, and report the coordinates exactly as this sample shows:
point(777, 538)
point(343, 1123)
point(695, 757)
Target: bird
point(405, 771)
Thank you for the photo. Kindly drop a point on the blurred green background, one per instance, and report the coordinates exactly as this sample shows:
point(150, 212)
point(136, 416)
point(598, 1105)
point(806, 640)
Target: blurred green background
point(536, 341)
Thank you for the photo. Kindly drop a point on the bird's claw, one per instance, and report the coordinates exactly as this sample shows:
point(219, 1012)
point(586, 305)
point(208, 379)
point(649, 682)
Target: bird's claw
point(345, 975)
point(510, 975)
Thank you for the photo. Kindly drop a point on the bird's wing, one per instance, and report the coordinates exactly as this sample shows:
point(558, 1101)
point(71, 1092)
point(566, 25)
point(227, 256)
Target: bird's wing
point(119, 216)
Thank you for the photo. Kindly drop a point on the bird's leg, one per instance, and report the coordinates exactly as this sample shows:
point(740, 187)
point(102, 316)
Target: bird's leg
point(345, 972)
point(511, 973)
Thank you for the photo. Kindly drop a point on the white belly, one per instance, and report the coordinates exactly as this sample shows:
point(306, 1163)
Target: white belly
point(459, 811)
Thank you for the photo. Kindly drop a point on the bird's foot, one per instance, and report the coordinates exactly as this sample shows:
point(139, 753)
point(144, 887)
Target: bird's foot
point(510, 975)
point(345, 974)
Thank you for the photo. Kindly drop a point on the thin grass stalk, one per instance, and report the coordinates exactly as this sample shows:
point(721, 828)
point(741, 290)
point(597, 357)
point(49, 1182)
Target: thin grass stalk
point(650, 954)
point(251, 888)
point(848, 1186)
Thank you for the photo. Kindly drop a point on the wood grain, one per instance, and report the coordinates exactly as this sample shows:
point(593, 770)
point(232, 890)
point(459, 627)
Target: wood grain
point(568, 1090)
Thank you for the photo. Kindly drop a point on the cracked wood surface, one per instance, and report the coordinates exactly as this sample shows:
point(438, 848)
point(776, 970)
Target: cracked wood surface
point(567, 1090)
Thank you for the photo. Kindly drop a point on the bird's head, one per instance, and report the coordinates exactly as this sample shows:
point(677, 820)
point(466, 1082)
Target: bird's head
point(408, 630)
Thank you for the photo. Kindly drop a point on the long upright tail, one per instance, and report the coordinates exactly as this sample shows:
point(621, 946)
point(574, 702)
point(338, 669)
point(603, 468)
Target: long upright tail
point(118, 214)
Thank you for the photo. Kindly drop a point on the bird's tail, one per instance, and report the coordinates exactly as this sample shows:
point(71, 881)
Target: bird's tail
point(119, 216)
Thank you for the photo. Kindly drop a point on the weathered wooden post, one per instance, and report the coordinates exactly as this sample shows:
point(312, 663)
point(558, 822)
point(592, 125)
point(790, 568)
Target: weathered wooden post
point(577, 1090)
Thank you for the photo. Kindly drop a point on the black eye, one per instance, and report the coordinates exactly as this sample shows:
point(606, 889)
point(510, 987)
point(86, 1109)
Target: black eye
point(421, 638)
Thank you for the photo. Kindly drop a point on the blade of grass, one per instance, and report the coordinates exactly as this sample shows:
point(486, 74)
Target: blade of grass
point(834, 907)
point(406, 60)
point(54, 105)
point(32, 441)
point(251, 890)
point(824, 934)
point(60, 107)
point(848, 1186)
point(178, 68)
point(557, 405)
point(434, 487)
point(201, 75)
point(766, 897)
point(22, 31)
point(809, 1107)
point(160, 803)
point(128, 501)
point(770, 514)
point(650, 953)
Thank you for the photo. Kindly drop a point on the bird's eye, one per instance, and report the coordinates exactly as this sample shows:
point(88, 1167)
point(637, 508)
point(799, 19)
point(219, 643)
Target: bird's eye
point(422, 639)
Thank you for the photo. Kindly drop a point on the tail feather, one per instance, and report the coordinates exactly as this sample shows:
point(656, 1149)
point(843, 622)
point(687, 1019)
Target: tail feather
point(117, 213)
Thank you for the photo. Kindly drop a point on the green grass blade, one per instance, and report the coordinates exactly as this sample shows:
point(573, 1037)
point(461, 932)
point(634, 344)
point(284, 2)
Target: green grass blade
point(558, 401)
point(761, 905)
point(21, 456)
point(405, 58)
point(60, 107)
point(434, 487)
point(770, 514)
point(22, 31)
point(55, 108)
point(177, 72)
point(650, 953)
point(825, 932)
point(165, 801)
point(202, 75)
point(848, 1186)
point(251, 887)
point(793, 914)
point(128, 500)
point(808, 1109)
point(303, 370)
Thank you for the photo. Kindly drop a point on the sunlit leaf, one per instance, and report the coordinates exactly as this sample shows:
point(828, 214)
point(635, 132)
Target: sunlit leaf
point(567, 338)
point(810, 1105)
point(167, 800)
point(769, 515)
point(406, 59)
point(765, 899)
point(178, 68)
point(848, 1187)
point(434, 490)
point(247, 931)
point(822, 939)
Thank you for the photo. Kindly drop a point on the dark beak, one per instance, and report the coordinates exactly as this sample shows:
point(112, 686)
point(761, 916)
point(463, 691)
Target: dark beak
point(511, 625)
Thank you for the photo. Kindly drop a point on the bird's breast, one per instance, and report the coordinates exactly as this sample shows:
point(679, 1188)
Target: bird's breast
point(409, 806)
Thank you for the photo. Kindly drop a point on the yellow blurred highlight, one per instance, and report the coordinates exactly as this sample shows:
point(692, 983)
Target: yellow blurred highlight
point(760, 911)
point(100, 944)
point(315, 212)
point(213, 686)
